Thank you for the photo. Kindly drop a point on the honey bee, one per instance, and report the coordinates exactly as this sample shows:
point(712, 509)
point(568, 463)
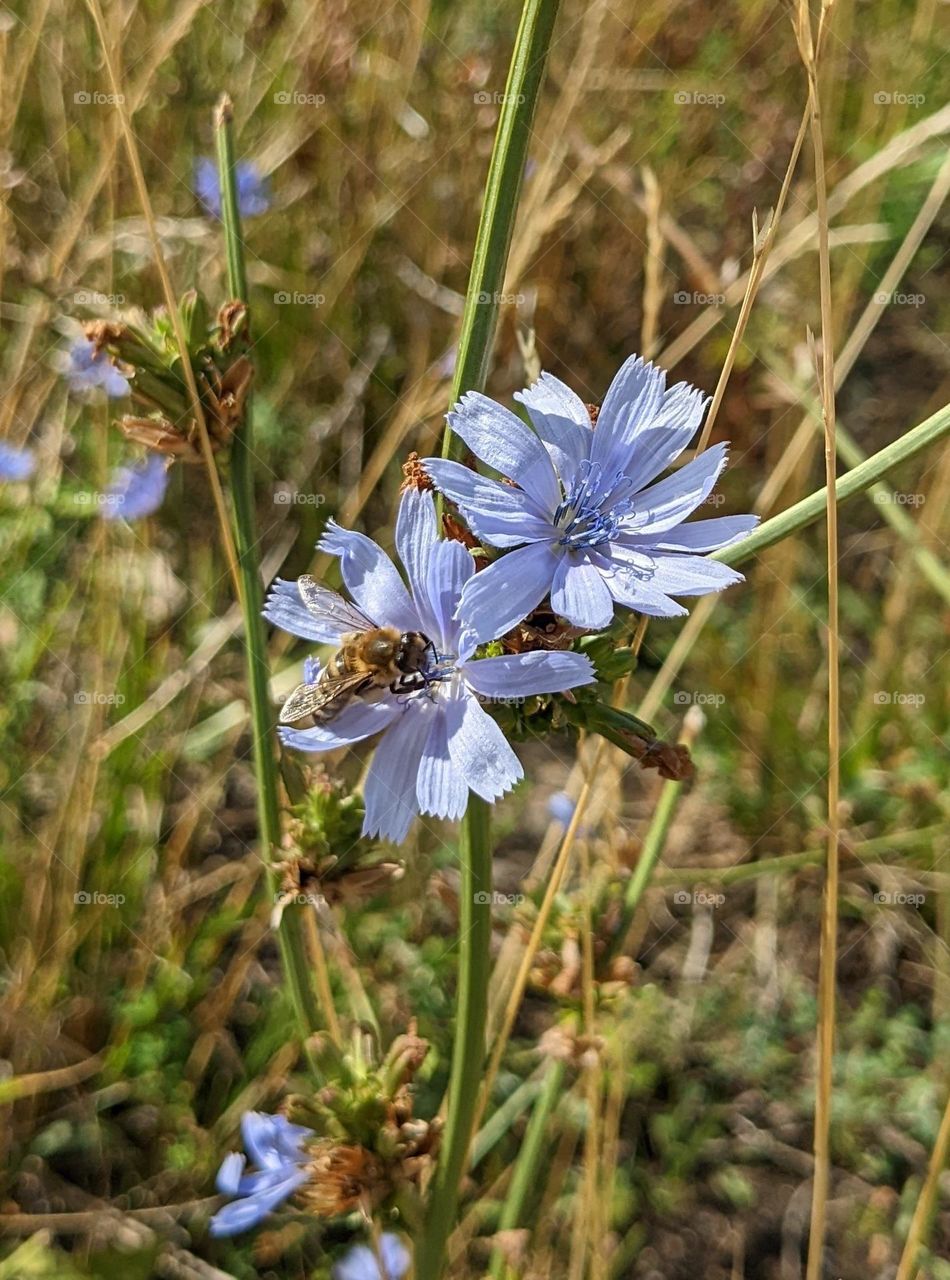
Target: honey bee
point(369, 657)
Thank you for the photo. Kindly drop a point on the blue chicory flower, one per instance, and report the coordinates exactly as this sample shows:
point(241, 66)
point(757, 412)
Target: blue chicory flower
point(361, 1263)
point(437, 742)
point(136, 491)
point(253, 189)
point(588, 526)
point(276, 1147)
point(16, 464)
point(561, 808)
point(89, 369)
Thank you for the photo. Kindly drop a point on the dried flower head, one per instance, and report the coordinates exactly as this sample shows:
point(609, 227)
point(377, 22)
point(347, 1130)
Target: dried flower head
point(414, 474)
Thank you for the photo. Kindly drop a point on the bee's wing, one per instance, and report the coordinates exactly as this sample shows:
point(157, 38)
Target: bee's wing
point(327, 603)
point(309, 699)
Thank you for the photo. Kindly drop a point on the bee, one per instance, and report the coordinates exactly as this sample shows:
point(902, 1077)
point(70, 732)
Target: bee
point(369, 657)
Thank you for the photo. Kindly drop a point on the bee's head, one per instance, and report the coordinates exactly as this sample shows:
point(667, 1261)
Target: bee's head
point(413, 651)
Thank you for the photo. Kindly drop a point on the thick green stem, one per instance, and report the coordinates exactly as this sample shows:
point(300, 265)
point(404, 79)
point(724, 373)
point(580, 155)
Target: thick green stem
point(291, 937)
point(479, 318)
point(853, 482)
point(469, 1051)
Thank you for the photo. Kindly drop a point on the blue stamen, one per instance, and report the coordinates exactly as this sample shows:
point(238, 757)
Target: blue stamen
point(581, 515)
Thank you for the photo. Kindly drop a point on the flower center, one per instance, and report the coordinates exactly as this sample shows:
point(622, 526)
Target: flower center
point(586, 517)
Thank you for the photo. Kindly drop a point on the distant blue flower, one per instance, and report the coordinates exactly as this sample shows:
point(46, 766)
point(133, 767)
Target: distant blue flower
point(276, 1147)
point(89, 369)
point(136, 491)
point(361, 1263)
point(588, 530)
point(16, 464)
point(561, 808)
point(253, 190)
point(438, 742)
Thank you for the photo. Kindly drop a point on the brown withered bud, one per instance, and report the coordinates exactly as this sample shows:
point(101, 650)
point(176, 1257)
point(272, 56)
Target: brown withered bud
point(594, 411)
point(414, 473)
point(354, 887)
point(406, 1056)
point(103, 332)
point(671, 760)
point(455, 531)
point(161, 436)
point(225, 396)
point(542, 629)
point(232, 324)
point(568, 1046)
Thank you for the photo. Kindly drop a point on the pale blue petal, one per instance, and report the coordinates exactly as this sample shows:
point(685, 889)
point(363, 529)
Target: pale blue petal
point(692, 576)
point(630, 405)
point(450, 567)
point(638, 558)
point(138, 491)
point(285, 609)
point(357, 721)
point(243, 1214)
point(500, 438)
point(389, 792)
point(661, 443)
point(360, 1263)
point(518, 675)
point(416, 535)
point(499, 514)
point(505, 592)
point(16, 463)
point(396, 1257)
point(669, 503)
point(698, 536)
point(371, 578)
point(562, 421)
point(266, 1139)
point(229, 1175)
point(479, 750)
point(440, 789)
point(580, 594)
point(632, 592)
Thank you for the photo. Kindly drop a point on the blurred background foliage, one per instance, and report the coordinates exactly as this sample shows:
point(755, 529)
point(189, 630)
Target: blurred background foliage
point(142, 1011)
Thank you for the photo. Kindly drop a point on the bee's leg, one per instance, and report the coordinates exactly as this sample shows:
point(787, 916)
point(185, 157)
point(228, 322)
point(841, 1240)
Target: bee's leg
point(408, 683)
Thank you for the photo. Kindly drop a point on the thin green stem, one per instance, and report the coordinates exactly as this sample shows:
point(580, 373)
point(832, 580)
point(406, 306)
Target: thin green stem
point(853, 482)
point(292, 941)
point(469, 1050)
point(653, 845)
point(529, 1158)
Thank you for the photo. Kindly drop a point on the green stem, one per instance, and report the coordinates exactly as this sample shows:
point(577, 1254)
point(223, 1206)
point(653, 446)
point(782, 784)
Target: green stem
point(853, 482)
point(653, 844)
point(502, 190)
point(469, 1050)
point(486, 281)
point(529, 1158)
point(293, 950)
